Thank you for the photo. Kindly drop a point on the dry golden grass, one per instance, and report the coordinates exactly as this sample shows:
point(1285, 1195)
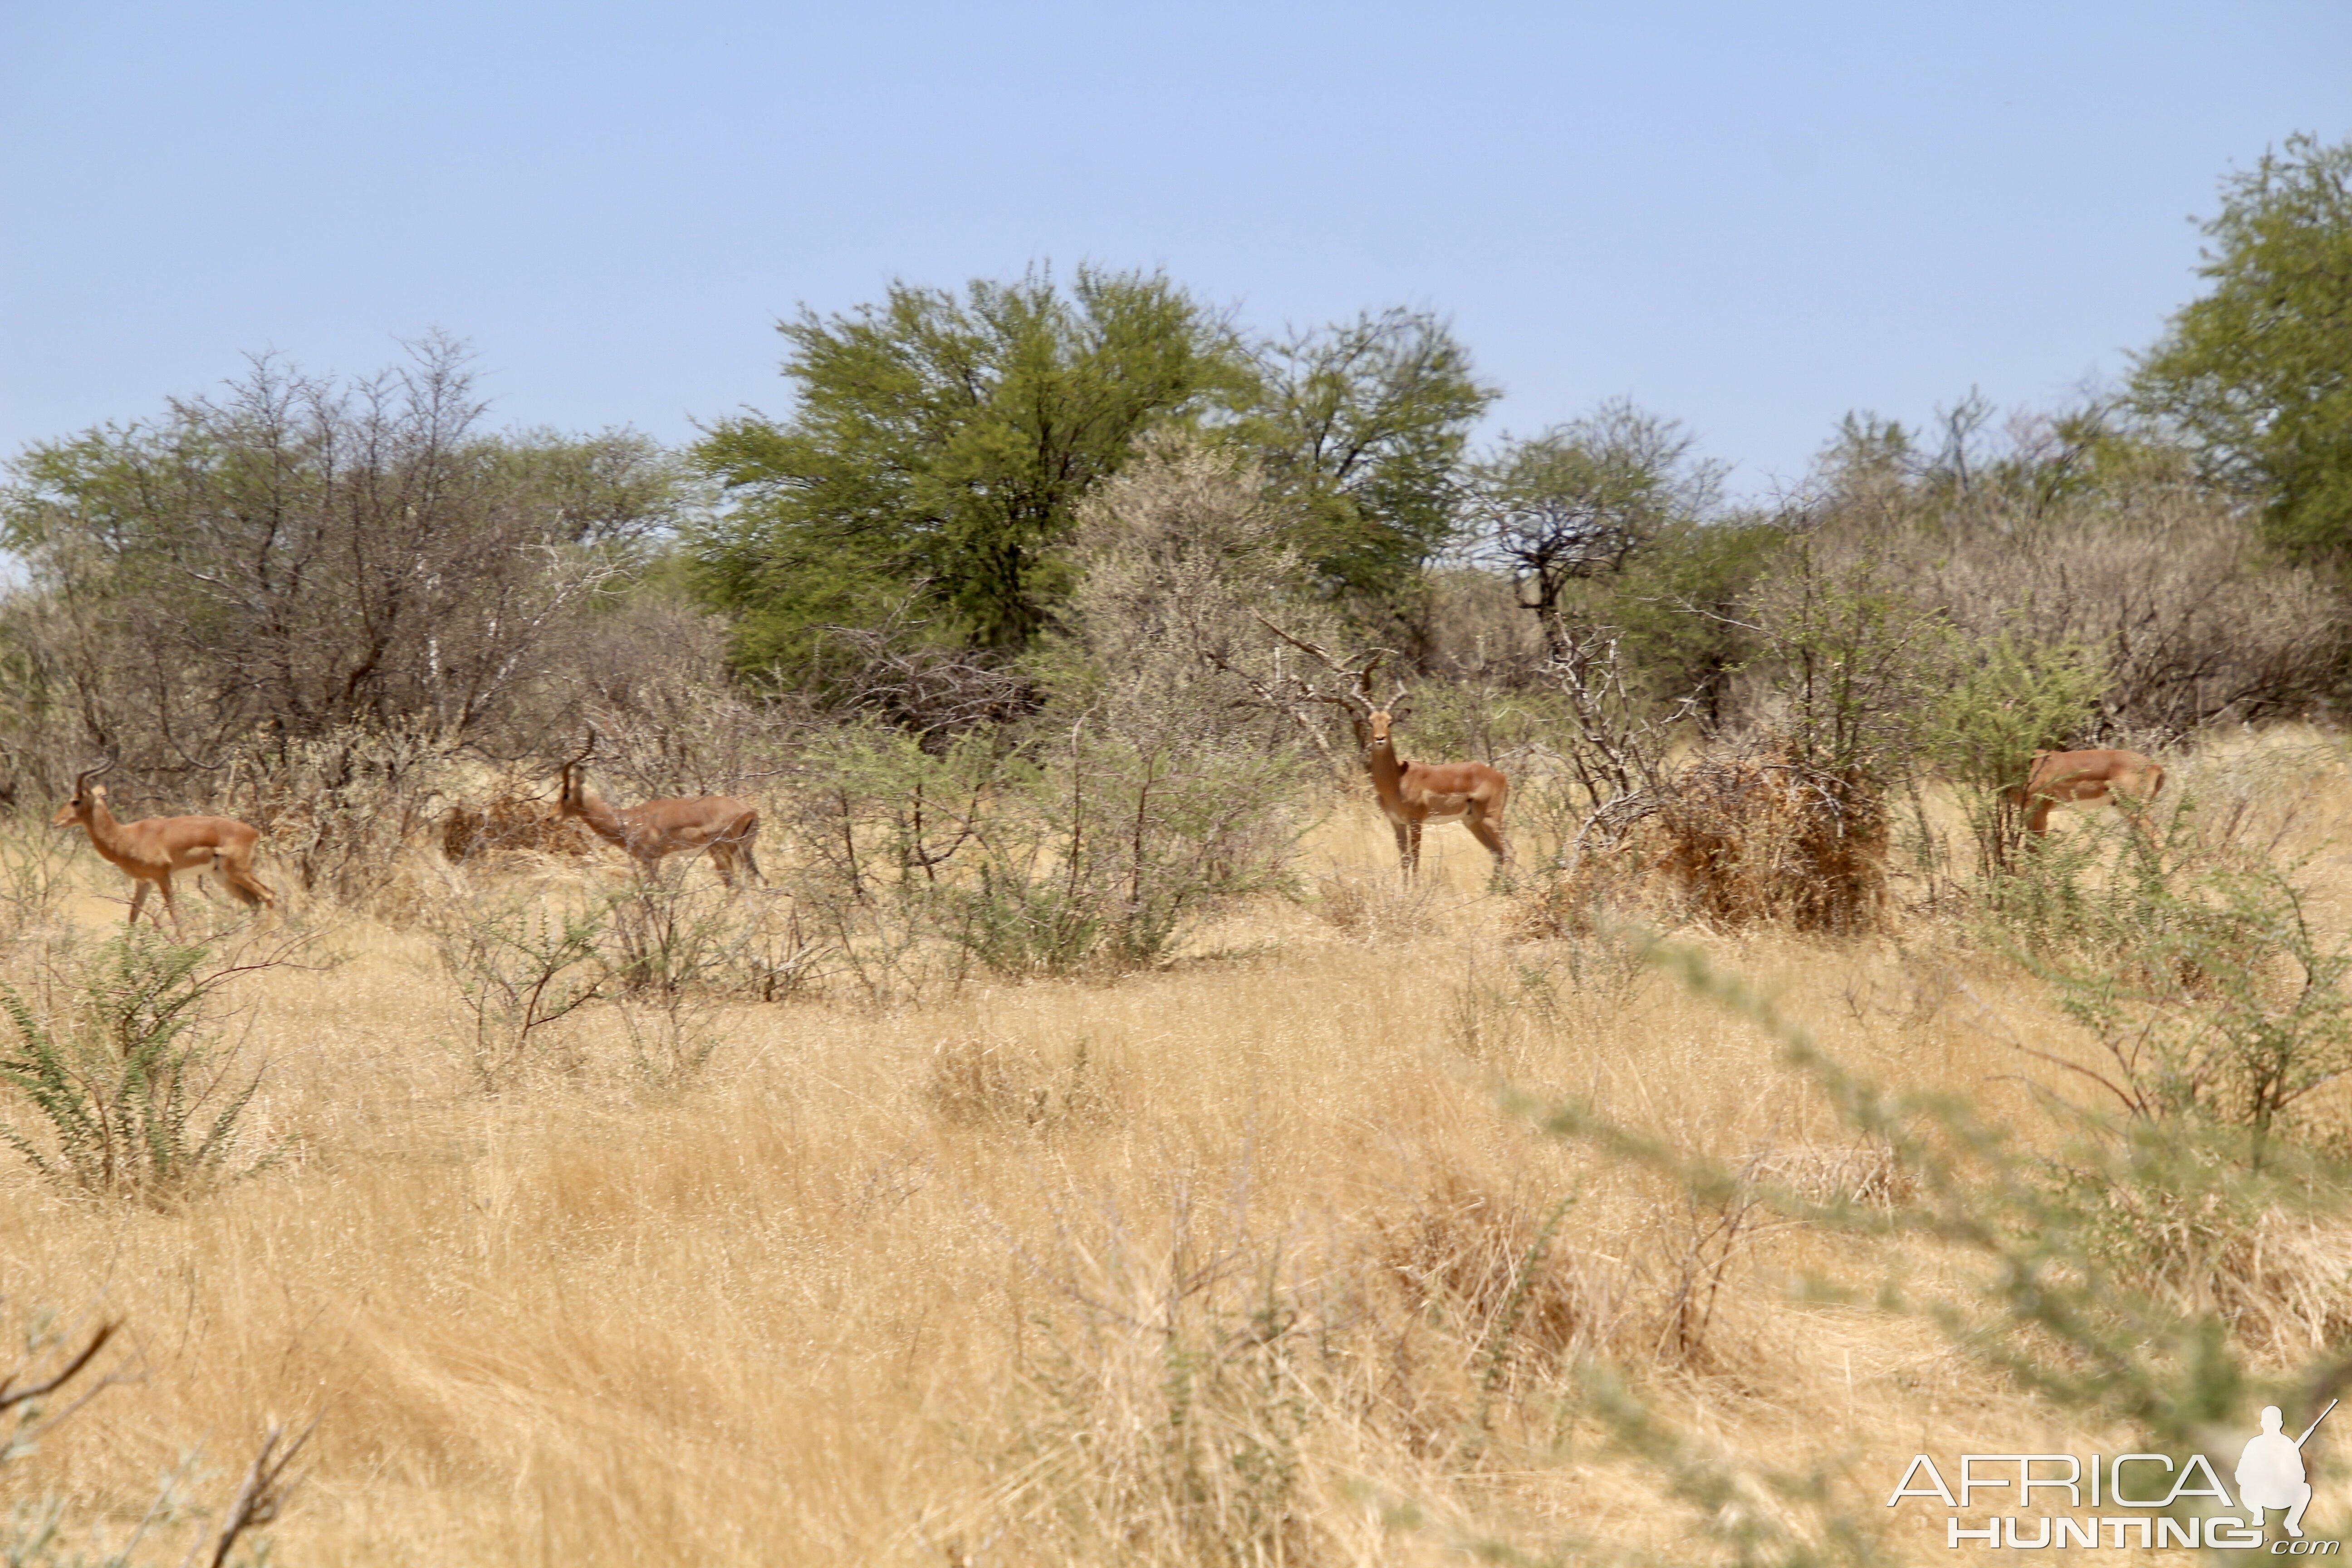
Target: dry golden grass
point(925, 1288)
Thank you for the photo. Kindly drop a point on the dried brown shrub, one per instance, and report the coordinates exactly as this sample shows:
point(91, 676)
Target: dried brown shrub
point(1374, 906)
point(513, 824)
point(1735, 840)
point(1752, 839)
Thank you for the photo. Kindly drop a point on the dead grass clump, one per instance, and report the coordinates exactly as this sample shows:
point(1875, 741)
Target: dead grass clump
point(1373, 906)
point(1749, 840)
point(1531, 1287)
point(1593, 898)
point(981, 1081)
point(2280, 1276)
point(1863, 1174)
point(1495, 1264)
point(510, 825)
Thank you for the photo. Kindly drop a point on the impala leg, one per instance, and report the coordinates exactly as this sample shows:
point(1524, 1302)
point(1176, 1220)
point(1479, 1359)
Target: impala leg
point(1486, 833)
point(247, 887)
point(1404, 846)
point(1413, 851)
point(163, 886)
point(722, 860)
point(137, 900)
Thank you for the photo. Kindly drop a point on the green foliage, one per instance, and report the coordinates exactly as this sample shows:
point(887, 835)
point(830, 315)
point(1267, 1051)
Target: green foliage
point(2253, 372)
point(2199, 975)
point(521, 963)
point(1854, 660)
point(940, 444)
point(126, 1070)
point(1677, 605)
point(1361, 429)
point(2012, 698)
point(1101, 851)
point(1095, 847)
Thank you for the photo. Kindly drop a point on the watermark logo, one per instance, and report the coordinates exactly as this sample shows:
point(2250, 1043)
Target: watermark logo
point(2149, 1493)
point(2270, 1474)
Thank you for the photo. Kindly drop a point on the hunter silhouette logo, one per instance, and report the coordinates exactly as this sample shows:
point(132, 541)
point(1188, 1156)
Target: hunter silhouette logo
point(2270, 1472)
point(2132, 1499)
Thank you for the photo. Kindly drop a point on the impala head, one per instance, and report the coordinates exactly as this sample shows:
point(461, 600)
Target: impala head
point(1383, 719)
point(87, 794)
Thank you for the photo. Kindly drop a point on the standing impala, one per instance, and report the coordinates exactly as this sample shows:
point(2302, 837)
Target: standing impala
point(724, 826)
point(1471, 794)
point(1410, 793)
point(2084, 778)
point(149, 851)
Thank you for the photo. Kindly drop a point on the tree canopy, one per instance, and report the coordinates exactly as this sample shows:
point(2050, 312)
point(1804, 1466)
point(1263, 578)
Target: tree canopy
point(1580, 498)
point(1360, 428)
point(2258, 372)
point(313, 554)
point(939, 442)
point(937, 448)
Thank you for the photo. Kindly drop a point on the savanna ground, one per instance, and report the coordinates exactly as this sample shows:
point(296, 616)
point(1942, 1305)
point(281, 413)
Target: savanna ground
point(1261, 1256)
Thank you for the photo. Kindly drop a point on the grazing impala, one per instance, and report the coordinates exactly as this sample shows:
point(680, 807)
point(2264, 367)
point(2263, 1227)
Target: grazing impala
point(149, 851)
point(724, 826)
point(1471, 794)
point(2082, 778)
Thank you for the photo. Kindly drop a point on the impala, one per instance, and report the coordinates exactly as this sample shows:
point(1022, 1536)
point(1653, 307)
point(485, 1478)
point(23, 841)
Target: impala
point(149, 851)
point(2082, 778)
point(1412, 793)
point(724, 826)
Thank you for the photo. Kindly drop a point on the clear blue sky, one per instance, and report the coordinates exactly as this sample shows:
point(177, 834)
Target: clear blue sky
point(1752, 217)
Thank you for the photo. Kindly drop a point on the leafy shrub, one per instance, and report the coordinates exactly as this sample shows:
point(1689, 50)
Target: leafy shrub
point(2203, 980)
point(126, 1064)
point(521, 962)
point(2013, 697)
point(1105, 853)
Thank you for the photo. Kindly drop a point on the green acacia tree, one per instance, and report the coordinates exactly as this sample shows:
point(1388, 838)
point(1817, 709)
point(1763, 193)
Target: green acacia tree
point(1359, 429)
point(937, 448)
point(2258, 372)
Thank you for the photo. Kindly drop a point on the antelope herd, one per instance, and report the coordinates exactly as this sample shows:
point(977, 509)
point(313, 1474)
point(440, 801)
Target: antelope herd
point(149, 850)
point(1411, 795)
